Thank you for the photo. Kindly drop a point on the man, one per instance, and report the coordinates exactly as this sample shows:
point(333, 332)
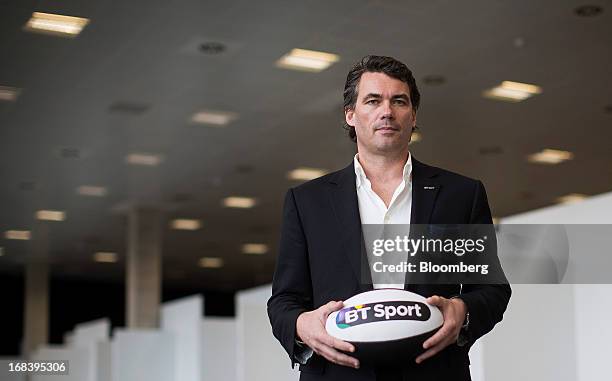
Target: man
point(320, 247)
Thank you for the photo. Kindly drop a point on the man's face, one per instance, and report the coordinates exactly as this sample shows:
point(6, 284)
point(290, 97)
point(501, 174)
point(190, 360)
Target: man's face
point(383, 116)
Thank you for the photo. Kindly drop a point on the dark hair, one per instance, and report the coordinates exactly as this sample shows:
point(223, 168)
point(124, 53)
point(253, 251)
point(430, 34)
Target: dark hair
point(377, 64)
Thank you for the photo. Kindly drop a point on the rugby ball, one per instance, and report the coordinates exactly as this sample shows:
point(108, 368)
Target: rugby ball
point(385, 325)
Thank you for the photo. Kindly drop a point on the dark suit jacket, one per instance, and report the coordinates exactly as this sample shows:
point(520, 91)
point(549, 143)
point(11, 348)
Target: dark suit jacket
point(320, 253)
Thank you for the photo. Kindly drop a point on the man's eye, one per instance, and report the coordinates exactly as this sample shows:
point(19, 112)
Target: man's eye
point(400, 102)
point(372, 101)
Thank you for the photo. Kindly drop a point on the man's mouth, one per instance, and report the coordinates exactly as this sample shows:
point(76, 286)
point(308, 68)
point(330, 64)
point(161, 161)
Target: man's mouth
point(387, 128)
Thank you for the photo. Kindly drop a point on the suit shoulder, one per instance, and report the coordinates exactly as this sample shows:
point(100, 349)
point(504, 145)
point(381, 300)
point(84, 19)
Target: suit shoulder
point(455, 178)
point(315, 185)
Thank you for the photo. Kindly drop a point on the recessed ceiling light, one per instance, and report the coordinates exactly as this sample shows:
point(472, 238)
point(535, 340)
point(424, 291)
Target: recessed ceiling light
point(105, 257)
point(571, 198)
point(307, 60)
point(50, 215)
point(60, 25)
point(305, 173)
point(212, 47)
point(214, 118)
point(128, 108)
point(519, 42)
point(491, 150)
point(254, 248)
point(9, 93)
point(185, 224)
point(512, 91)
point(92, 190)
point(69, 153)
point(434, 80)
point(211, 262)
point(588, 10)
point(239, 202)
point(550, 156)
point(416, 137)
point(23, 235)
point(144, 159)
point(26, 186)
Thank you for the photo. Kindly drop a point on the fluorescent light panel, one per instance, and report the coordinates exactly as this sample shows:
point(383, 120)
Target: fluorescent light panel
point(550, 156)
point(144, 159)
point(510, 91)
point(214, 118)
point(211, 262)
point(23, 235)
point(50, 215)
point(92, 190)
point(254, 248)
point(305, 173)
point(60, 25)
point(105, 257)
point(307, 60)
point(239, 202)
point(9, 94)
point(185, 224)
point(571, 198)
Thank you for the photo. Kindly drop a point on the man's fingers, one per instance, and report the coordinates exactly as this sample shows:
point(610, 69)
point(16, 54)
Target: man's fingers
point(431, 351)
point(427, 354)
point(337, 357)
point(438, 336)
point(337, 343)
point(436, 300)
point(331, 307)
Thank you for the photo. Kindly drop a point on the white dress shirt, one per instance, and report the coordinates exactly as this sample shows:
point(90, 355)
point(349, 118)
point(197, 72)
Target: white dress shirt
point(373, 210)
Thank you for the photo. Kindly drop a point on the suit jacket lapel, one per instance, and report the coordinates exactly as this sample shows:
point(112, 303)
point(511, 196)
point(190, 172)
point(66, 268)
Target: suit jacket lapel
point(344, 202)
point(424, 192)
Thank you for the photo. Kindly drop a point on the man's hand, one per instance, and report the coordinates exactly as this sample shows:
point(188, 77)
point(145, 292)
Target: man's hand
point(310, 328)
point(453, 312)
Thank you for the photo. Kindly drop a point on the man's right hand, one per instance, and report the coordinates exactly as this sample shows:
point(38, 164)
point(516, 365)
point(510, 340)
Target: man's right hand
point(310, 328)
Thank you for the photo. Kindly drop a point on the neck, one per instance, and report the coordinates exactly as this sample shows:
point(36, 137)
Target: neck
point(385, 168)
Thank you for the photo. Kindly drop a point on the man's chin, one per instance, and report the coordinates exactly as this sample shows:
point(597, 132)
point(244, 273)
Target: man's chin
point(390, 147)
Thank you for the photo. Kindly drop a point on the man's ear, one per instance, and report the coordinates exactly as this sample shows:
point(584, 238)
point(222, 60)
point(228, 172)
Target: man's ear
point(349, 114)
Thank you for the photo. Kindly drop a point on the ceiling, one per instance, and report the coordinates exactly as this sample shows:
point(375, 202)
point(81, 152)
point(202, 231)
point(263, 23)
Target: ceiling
point(131, 81)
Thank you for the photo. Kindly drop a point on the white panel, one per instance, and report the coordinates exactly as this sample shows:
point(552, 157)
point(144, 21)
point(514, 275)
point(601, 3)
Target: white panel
point(567, 335)
point(6, 376)
point(103, 360)
point(182, 318)
point(260, 356)
point(77, 361)
point(86, 336)
point(218, 349)
point(142, 355)
point(477, 362)
point(594, 210)
point(593, 330)
point(535, 340)
point(91, 332)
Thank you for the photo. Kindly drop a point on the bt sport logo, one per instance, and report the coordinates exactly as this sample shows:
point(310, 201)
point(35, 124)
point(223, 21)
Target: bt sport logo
point(383, 311)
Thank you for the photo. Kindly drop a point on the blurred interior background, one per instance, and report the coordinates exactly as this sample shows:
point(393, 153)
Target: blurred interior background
point(146, 146)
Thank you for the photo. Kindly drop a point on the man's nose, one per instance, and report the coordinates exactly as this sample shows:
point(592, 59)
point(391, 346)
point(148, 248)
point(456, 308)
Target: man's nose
point(387, 111)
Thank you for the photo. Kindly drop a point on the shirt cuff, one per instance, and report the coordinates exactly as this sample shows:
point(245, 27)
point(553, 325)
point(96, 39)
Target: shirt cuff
point(302, 353)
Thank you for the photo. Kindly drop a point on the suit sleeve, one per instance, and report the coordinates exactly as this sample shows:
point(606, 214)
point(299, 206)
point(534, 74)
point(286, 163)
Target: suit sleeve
point(486, 303)
point(291, 286)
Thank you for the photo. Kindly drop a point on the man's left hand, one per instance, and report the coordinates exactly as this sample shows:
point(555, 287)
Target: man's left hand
point(453, 312)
